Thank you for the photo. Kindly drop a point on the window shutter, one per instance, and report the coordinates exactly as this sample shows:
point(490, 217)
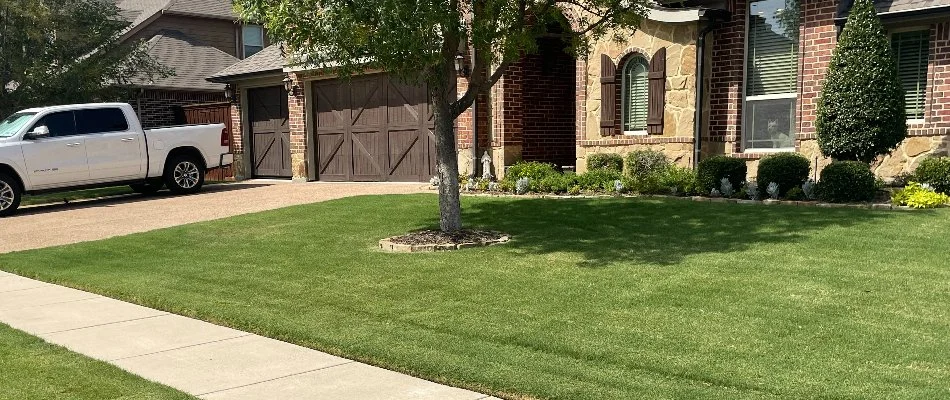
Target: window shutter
point(608, 95)
point(657, 93)
point(913, 50)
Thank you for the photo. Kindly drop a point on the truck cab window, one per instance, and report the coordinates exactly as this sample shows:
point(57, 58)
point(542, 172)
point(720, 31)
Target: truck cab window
point(59, 124)
point(101, 120)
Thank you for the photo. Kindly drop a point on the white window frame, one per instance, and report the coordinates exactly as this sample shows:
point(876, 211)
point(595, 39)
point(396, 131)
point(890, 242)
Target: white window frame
point(890, 40)
point(244, 44)
point(623, 93)
point(746, 98)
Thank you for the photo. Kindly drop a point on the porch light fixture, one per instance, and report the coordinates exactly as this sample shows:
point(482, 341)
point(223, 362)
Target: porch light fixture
point(229, 92)
point(461, 67)
point(291, 88)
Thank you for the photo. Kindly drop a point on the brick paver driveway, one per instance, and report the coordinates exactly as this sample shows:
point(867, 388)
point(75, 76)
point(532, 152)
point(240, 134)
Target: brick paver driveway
point(44, 226)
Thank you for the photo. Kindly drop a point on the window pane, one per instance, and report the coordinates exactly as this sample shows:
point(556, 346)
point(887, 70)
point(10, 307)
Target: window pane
point(913, 50)
point(14, 123)
point(769, 124)
point(252, 50)
point(100, 121)
point(635, 84)
point(773, 47)
point(253, 36)
point(59, 124)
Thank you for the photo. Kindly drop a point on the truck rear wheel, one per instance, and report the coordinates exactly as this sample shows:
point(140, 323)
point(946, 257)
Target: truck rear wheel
point(184, 174)
point(10, 194)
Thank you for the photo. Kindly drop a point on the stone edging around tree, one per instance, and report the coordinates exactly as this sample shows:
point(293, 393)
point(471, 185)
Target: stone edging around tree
point(874, 206)
point(388, 245)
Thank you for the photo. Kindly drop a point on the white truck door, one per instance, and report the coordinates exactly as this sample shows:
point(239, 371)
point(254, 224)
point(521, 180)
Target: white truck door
point(58, 159)
point(114, 150)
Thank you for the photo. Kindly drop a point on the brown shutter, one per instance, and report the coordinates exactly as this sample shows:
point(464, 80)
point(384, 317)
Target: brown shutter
point(608, 95)
point(657, 93)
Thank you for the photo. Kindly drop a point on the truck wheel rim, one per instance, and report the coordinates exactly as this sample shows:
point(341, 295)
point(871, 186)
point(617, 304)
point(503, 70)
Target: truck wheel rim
point(6, 196)
point(186, 174)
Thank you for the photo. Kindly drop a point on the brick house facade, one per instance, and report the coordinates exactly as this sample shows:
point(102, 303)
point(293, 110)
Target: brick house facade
point(657, 89)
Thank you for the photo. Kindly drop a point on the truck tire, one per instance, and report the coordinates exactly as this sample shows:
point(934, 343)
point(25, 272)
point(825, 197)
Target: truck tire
point(10, 194)
point(148, 188)
point(184, 174)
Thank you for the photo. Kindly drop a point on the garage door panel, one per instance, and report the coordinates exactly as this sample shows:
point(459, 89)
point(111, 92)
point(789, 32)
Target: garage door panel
point(332, 157)
point(369, 155)
point(384, 127)
point(270, 132)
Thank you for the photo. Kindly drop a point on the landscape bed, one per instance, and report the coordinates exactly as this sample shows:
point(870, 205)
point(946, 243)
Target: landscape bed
point(591, 299)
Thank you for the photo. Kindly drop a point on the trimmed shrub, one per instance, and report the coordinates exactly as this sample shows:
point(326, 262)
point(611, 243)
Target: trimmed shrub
point(598, 180)
point(934, 172)
point(608, 161)
point(788, 170)
point(532, 170)
point(713, 169)
point(643, 164)
point(847, 181)
point(861, 111)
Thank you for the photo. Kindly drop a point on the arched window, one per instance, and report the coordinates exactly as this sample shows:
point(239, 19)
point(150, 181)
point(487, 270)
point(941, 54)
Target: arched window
point(634, 94)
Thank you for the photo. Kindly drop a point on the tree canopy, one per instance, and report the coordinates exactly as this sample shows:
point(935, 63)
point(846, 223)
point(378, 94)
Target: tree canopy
point(861, 112)
point(420, 39)
point(66, 51)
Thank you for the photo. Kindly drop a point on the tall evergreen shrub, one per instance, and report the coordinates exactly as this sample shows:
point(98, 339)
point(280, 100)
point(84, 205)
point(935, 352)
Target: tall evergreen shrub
point(861, 110)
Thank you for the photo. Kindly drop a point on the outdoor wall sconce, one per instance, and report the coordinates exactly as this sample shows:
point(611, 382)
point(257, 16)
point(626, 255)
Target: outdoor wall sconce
point(229, 92)
point(461, 67)
point(291, 88)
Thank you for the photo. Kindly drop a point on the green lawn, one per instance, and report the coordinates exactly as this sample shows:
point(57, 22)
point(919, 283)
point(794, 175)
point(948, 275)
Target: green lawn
point(33, 369)
point(593, 299)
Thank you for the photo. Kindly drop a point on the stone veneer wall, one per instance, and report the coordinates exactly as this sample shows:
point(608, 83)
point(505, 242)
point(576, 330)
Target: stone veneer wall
point(677, 137)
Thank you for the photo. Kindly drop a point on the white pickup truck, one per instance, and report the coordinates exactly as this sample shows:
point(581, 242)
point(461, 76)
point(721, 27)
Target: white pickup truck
point(94, 145)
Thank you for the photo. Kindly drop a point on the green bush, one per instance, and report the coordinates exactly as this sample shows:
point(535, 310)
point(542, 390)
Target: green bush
point(598, 180)
point(713, 169)
point(644, 164)
point(847, 181)
point(788, 170)
point(532, 170)
point(679, 181)
point(934, 172)
point(554, 183)
point(917, 196)
point(795, 193)
point(861, 109)
point(611, 162)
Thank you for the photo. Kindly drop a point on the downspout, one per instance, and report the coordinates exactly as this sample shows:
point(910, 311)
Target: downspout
point(700, 80)
point(475, 159)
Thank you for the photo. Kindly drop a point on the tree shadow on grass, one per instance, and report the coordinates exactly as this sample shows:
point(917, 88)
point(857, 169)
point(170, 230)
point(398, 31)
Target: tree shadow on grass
point(652, 231)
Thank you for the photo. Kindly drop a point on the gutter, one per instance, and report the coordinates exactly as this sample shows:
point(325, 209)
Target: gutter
point(715, 19)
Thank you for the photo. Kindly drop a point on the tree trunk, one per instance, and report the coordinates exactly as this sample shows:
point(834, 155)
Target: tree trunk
point(450, 208)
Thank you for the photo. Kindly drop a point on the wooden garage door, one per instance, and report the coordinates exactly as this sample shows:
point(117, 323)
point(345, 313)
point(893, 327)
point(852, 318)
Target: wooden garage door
point(270, 132)
point(372, 128)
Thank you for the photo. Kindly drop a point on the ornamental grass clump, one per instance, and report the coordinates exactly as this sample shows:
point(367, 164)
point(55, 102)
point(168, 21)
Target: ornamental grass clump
point(725, 187)
point(646, 164)
point(752, 190)
point(773, 190)
point(522, 185)
point(608, 161)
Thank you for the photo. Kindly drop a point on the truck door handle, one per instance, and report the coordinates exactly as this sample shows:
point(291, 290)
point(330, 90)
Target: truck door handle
point(128, 139)
point(72, 144)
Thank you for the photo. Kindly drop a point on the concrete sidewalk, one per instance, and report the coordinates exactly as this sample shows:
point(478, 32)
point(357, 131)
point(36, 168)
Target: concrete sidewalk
point(205, 360)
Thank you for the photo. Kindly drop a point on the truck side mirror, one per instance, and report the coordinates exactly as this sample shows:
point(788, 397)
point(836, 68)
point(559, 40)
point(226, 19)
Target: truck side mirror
point(38, 132)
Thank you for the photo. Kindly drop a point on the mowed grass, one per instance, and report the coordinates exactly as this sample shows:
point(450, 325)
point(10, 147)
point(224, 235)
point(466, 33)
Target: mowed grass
point(593, 299)
point(33, 369)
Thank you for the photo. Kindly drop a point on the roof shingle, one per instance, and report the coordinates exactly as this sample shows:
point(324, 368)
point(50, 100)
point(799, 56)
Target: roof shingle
point(268, 60)
point(191, 60)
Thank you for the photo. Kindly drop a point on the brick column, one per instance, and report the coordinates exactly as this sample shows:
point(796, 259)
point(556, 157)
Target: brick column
point(237, 138)
point(296, 106)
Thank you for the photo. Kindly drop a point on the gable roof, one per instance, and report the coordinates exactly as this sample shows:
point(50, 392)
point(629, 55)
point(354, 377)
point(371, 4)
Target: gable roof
point(271, 59)
point(139, 12)
point(191, 60)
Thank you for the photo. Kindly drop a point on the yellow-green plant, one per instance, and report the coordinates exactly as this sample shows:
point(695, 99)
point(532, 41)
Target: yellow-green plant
point(915, 195)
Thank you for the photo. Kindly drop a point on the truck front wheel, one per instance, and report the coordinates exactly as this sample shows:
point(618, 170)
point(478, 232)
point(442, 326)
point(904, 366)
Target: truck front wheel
point(184, 174)
point(10, 194)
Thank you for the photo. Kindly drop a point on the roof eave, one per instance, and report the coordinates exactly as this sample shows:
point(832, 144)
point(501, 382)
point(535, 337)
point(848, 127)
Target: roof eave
point(245, 76)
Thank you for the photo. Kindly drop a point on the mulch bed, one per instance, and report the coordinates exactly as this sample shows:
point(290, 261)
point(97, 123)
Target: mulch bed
point(436, 240)
point(439, 237)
